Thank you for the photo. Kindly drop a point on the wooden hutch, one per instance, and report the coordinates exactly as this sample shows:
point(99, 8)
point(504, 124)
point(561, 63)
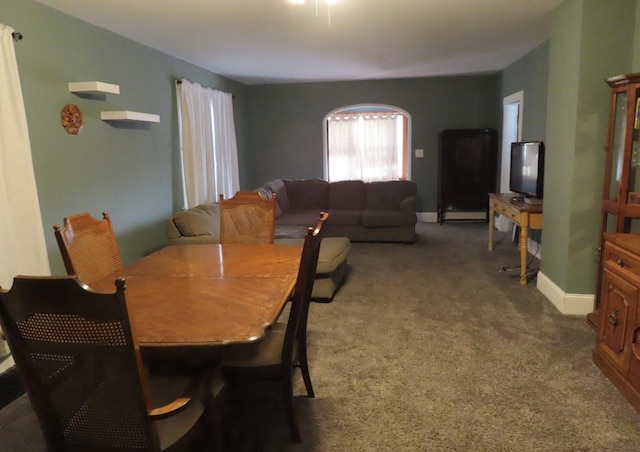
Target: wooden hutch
point(616, 316)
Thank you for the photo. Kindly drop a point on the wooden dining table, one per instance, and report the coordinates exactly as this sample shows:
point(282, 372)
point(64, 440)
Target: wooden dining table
point(206, 301)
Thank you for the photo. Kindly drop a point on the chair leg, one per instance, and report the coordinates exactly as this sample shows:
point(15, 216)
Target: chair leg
point(287, 398)
point(304, 368)
point(215, 421)
point(218, 422)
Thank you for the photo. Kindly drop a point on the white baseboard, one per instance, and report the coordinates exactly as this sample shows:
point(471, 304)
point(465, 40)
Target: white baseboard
point(566, 303)
point(427, 217)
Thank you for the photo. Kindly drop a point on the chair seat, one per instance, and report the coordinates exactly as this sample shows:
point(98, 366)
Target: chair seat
point(164, 389)
point(269, 351)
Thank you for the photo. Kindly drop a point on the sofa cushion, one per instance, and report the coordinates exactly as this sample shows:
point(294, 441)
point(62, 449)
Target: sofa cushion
point(307, 194)
point(200, 220)
point(347, 194)
point(290, 231)
point(345, 217)
point(388, 195)
point(282, 200)
point(387, 218)
point(212, 209)
point(305, 218)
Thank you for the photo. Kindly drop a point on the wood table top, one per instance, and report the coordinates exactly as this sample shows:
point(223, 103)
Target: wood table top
point(207, 300)
point(219, 261)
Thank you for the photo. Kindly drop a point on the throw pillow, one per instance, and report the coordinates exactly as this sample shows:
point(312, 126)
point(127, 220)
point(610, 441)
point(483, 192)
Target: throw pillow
point(196, 221)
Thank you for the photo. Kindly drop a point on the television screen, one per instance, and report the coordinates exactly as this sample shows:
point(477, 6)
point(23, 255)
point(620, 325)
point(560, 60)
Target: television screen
point(527, 168)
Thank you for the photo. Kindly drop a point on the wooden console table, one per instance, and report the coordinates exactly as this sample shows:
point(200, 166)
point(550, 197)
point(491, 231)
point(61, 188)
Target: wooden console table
point(526, 216)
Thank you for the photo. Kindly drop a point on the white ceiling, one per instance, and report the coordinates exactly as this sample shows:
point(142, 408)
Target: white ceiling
point(272, 41)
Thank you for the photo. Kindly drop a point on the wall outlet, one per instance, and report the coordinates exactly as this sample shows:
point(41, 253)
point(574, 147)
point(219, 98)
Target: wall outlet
point(419, 153)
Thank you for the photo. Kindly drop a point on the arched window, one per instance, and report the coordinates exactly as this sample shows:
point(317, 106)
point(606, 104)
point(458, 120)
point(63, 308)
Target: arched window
point(367, 142)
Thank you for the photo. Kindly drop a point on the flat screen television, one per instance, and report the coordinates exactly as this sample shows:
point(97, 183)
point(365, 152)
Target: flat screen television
point(527, 169)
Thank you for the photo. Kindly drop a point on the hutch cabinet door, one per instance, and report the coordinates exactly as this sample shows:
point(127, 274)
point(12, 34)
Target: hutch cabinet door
point(616, 315)
point(618, 300)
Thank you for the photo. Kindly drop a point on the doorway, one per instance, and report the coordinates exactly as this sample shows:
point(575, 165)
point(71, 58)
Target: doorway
point(512, 107)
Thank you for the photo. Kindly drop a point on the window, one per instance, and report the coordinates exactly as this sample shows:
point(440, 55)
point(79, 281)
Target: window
point(367, 142)
point(208, 143)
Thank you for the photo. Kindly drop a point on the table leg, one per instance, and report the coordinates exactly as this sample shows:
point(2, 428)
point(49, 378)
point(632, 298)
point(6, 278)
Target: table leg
point(524, 234)
point(491, 216)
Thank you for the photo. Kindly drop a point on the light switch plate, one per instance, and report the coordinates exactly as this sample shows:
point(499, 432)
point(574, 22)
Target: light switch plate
point(419, 153)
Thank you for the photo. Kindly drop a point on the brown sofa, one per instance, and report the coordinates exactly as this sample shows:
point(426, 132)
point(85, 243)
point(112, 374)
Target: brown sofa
point(362, 211)
point(358, 211)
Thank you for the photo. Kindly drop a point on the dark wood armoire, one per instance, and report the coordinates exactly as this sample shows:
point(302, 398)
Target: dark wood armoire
point(467, 173)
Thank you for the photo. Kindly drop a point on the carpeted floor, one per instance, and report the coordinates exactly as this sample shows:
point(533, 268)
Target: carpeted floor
point(431, 347)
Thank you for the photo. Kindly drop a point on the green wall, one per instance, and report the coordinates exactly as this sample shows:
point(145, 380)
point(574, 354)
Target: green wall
point(284, 122)
point(531, 75)
point(131, 172)
point(590, 41)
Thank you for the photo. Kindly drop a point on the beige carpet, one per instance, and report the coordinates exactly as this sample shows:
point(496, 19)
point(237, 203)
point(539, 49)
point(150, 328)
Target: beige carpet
point(430, 347)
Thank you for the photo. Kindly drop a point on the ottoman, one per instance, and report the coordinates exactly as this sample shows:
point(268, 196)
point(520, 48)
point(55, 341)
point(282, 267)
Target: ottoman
point(332, 266)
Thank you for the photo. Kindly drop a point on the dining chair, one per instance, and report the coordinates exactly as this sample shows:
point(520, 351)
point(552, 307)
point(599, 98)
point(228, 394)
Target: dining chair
point(285, 347)
point(248, 217)
point(83, 374)
point(88, 246)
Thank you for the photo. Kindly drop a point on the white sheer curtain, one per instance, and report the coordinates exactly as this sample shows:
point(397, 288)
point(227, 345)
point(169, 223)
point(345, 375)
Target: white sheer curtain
point(364, 146)
point(208, 143)
point(21, 235)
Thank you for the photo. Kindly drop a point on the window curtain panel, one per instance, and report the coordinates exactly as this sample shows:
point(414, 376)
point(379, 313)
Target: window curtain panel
point(208, 143)
point(21, 233)
point(24, 251)
point(364, 147)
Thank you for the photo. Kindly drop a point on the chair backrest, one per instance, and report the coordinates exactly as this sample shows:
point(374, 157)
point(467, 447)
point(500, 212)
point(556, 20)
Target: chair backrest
point(299, 311)
point(82, 370)
point(88, 246)
point(248, 217)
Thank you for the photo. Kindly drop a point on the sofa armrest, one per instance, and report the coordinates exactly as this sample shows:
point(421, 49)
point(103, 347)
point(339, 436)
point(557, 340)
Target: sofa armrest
point(408, 204)
point(172, 229)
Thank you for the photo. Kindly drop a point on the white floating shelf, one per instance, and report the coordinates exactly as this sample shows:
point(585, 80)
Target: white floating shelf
point(93, 88)
point(128, 116)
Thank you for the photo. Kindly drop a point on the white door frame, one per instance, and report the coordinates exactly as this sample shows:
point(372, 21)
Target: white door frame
point(512, 108)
